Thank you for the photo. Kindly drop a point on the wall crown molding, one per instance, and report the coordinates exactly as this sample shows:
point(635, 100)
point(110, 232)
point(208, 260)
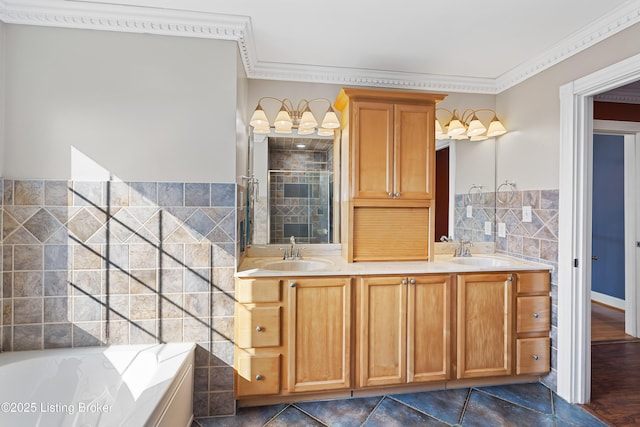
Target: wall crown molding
point(87, 14)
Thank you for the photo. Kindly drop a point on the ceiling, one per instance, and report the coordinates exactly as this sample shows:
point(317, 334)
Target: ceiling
point(448, 45)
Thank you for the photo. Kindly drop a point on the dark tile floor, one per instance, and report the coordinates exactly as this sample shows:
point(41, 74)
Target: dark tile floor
point(507, 405)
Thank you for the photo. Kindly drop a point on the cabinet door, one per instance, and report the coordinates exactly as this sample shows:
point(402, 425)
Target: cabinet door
point(381, 331)
point(372, 169)
point(428, 328)
point(484, 325)
point(319, 334)
point(414, 151)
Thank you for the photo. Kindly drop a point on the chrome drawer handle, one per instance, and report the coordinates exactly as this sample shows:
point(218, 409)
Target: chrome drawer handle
point(536, 315)
point(259, 377)
point(259, 329)
point(536, 357)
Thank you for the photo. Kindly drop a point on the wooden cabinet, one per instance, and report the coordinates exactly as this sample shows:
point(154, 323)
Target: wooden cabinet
point(319, 336)
point(499, 314)
point(258, 337)
point(316, 336)
point(393, 150)
point(388, 174)
point(484, 324)
point(533, 307)
point(403, 332)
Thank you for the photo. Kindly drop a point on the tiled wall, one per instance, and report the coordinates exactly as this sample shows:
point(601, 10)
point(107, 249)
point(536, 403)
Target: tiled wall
point(96, 263)
point(535, 241)
point(483, 209)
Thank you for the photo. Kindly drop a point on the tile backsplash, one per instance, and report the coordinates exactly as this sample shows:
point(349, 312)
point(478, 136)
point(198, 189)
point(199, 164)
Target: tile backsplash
point(98, 263)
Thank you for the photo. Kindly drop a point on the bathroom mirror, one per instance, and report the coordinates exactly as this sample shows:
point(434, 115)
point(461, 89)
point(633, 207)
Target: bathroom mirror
point(471, 196)
point(295, 188)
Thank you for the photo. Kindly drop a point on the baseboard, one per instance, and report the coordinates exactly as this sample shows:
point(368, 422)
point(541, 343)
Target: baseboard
point(608, 300)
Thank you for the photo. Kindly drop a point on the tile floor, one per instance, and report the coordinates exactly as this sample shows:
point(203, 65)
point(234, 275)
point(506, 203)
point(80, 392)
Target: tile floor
point(508, 405)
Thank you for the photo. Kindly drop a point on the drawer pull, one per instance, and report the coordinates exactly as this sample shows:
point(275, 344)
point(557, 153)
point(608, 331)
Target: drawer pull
point(405, 281)
point(536, 357)
point(536, 315)
point(510, 278)
point(398, 194)
point(259, 329)
point(412, 281)
point(259, 377)
point(292, 284)
point(390, 194)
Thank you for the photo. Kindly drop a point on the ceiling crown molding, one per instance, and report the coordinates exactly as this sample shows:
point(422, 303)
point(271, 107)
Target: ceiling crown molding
point(608, 25)
point(97, 15)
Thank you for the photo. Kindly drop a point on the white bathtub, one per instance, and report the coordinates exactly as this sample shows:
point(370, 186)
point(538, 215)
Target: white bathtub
point(135, 385)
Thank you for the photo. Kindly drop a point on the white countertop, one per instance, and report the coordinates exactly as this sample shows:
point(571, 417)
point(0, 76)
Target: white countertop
point(337, 266)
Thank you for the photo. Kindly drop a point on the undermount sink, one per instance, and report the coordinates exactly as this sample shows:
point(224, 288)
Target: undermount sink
point(481, 261)
point(296, 265)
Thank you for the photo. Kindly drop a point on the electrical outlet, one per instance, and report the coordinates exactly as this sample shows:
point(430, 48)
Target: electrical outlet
point(526, 214)
point(502, 229)
point(469, 211)
point(487, 228)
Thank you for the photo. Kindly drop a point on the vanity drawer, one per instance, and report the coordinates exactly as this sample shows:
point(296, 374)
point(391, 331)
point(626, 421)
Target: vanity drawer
point(532, 355)
point(533, 282)
point(258, 375)
point(258, 290)
point(258, 326)
point(534, 314)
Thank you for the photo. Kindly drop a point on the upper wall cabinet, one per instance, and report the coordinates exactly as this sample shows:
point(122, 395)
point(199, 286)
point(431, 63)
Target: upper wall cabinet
point(388, 174)
point(392, 152)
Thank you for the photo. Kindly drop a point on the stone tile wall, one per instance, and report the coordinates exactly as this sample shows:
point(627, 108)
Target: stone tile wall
point(483, 209)
point(535, 241)
point(98, 263)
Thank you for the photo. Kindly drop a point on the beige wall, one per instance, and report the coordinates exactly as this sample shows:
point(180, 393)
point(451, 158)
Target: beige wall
point(143, 107)
point(2, 72)
point(529, 153)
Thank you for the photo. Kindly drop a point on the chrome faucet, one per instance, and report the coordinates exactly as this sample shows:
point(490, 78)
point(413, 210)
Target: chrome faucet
point(463, 249)
point(292, 254)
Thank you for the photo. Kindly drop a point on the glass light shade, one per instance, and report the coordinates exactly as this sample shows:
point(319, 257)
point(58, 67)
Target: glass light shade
point(330, 120)
point(325, 132)
point(283, 129)
point(306, 131)
point(262, 129)
point(455, 128)
point(459, 137)
point(476, 127)
point(307, 120)
point(259, 118)
point(283, 119)
point(496, 128)
point(438, 128)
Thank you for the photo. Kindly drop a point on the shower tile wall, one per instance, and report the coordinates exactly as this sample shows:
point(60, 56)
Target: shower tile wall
point(298, 196)
point(97, 263)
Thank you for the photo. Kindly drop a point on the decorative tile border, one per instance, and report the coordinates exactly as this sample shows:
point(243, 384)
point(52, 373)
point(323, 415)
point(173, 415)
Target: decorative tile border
point(96, 263)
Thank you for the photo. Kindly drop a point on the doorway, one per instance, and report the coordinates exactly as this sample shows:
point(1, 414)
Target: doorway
point(575, 243)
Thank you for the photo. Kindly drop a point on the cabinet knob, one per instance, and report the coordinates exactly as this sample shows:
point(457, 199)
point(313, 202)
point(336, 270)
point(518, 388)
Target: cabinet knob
point(536, 315)
point(405, 281)
point(390, 194)
point(259, 329)
point(510, 278)
point(398, 194)
point(259, 377)
point(292, 284)
point(536, 357)
point(412, 281)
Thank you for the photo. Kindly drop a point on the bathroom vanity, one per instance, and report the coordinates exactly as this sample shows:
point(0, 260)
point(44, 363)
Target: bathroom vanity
point(339, 329)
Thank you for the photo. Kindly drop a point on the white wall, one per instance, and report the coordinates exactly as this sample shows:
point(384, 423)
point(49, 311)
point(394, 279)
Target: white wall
point(242, 121)
point(144, 107)
point(529, 153)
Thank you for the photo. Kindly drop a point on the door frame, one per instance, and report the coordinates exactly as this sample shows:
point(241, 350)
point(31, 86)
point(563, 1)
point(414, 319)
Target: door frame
point(631, 133)
point(574, 240)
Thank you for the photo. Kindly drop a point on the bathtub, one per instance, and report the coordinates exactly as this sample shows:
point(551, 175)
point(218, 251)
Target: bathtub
point(133, 385)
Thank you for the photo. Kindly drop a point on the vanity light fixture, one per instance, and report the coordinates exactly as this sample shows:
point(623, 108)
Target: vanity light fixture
point(290, 117)
point(468, 125)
